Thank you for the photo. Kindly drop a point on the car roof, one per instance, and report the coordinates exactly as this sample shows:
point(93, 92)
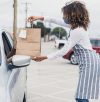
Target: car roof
point(94, 38)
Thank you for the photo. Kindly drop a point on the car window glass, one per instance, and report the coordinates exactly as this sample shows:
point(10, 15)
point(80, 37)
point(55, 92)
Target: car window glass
point(95, 43)
point(9, 37)
point(7, 45)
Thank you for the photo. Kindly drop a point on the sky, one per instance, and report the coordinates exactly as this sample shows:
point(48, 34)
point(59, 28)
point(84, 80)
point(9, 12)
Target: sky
point(51, 8)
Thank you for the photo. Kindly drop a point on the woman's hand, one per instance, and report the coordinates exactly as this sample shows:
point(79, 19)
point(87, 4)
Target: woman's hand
point(33, 18)
point(39, 58)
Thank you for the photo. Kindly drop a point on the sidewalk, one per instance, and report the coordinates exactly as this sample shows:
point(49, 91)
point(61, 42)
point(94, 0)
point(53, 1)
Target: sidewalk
point(52, 80)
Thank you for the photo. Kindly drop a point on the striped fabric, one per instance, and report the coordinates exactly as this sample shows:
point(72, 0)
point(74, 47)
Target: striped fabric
point(89, 73)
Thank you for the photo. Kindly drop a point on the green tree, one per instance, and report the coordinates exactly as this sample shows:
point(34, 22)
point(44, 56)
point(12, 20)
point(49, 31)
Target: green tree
point(41, 25)
point(59, 32)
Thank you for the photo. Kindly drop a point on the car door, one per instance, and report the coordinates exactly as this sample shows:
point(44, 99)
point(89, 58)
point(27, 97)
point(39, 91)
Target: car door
point(4, 74)
point(16, 84)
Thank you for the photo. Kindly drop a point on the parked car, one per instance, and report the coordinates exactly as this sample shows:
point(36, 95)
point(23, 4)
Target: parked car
point(12, 75)
point(95, 44)
point(59, 43)
point(70, 55)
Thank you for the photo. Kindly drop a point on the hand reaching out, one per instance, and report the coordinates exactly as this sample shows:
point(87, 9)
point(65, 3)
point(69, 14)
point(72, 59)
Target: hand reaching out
point(33, 18)
point(39, 58)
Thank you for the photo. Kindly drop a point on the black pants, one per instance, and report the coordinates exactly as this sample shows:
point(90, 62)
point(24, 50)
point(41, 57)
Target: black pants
point(81, 100)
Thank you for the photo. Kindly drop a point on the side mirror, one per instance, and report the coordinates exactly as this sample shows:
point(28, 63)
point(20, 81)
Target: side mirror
point(19, 61)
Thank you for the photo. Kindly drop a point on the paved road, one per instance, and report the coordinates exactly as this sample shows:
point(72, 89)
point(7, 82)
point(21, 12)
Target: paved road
point(52, 80)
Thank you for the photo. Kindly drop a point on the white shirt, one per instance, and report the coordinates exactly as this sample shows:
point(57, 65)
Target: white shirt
point(77, 36)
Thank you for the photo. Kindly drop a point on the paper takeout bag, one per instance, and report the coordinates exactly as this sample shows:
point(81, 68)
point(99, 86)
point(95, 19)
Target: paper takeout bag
point(29, 42)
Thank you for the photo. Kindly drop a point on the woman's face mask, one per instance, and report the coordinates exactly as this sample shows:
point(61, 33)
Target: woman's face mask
point(66, 21)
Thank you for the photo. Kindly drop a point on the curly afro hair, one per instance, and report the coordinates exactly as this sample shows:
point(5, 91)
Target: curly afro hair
point(76, 14)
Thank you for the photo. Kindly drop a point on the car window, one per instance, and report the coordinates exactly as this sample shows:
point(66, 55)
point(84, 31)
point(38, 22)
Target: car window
point(95, 43)
point(7, 45)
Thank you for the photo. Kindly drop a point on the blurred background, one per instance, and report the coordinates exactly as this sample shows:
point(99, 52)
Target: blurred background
point(50, 8)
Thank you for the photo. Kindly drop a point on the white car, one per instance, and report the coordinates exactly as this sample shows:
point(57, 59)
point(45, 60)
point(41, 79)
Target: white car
point(12, 75)
point(59, 43)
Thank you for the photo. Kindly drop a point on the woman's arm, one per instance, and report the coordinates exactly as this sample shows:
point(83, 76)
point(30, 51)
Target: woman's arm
point(72, 41)
point(48, 19)
point(57, 21)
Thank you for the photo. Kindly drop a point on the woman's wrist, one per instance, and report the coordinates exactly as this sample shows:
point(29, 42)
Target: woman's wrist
point(45, 57)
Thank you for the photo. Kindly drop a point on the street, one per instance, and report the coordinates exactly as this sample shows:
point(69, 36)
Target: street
point(52, 80)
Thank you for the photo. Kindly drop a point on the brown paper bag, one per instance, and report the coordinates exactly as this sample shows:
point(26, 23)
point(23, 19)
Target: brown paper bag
point(31, 44)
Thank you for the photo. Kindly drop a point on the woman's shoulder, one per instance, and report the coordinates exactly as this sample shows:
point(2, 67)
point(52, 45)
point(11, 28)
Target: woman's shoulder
point(79, 32)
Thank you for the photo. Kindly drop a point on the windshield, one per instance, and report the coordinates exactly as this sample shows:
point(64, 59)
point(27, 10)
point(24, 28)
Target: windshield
point(95, 42)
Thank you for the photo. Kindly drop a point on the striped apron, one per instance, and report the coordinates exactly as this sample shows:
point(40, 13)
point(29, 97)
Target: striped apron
point(89, 73)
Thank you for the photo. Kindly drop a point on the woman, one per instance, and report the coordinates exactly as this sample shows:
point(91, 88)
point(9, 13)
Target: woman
point(75, 16)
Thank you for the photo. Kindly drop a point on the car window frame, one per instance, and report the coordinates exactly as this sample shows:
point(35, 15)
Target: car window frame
point(5, 37)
